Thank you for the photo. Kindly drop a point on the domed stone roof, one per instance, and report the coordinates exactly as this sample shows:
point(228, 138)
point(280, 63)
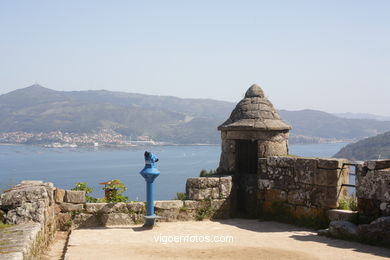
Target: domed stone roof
point(254, 112)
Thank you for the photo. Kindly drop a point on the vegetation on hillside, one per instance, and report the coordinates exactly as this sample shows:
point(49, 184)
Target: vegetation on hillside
point(167, 119)
point(377, 147)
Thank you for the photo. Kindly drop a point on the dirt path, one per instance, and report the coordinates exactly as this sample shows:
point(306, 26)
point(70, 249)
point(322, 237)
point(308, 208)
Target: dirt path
point(251, 240)
point(57, 248)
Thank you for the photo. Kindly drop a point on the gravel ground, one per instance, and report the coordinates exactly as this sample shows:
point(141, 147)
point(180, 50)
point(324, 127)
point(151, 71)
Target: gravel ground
point(251, 240)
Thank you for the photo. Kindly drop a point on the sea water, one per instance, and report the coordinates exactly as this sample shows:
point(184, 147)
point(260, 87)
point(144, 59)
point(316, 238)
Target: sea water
point(67, 166)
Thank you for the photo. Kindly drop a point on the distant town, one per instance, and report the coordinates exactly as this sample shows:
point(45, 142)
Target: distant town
point(59, 139)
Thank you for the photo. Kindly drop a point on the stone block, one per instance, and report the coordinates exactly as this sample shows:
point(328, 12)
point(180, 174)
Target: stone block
point(202, 194)
point(59, 195)
point(94, 208)
point(297, 197)
point(191, 204)
point(114, 207)
point(373, 185)
point(212, 182)
point(305, 170)
point(321, 177)
point(265, 184)
point(136, 207)
point(84, 220)
point(197, 183)
point(64, 221)
point(168, 204)
point(339, 214)
point(369, 207)
point(307, 212)
point(280, 161)
point(187, 215)
point(378, 230)
point(75, 196)
point(331, 163)
point(225, 187)
point(334, 177)
point(341, 228)
point(69, 207)
point(116, 219)
point(275, 195)
point(221, 208)
point(168, 215)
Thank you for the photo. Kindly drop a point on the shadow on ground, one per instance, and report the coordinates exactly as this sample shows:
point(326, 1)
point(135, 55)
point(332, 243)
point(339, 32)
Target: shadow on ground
point(305, 234)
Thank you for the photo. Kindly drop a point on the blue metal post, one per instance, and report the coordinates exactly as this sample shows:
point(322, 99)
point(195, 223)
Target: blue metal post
point(150, 173)
point(150, 198)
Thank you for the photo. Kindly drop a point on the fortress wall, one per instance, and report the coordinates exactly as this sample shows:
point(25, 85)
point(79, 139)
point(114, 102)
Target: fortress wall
point(373, 188)
point(30, 208)
point(300, 188)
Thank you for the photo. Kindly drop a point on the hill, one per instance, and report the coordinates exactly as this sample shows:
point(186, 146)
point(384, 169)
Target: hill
point(185, 121)
point(363, 116)
point(38, 109)
point(312, 123)
point(377, 147)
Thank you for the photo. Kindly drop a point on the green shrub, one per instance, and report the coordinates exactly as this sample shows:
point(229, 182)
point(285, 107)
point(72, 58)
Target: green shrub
point(205, 173)
point(180, 196)
point(83, 187)
point(348, 203)
point(113, 191)
point(205, 212)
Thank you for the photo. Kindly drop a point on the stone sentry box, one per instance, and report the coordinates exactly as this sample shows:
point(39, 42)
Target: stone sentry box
point(254, 130)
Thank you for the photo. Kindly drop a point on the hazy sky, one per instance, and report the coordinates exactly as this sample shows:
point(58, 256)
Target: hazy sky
point(327, 55)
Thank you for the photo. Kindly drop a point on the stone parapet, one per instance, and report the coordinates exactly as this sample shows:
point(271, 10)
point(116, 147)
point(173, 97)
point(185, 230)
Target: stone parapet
point(21, 242)
point(303, 187)
point(30, 205)
point(202, 188)
point(373, 188)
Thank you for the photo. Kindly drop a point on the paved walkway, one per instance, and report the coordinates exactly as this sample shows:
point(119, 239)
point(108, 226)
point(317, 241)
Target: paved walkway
point(251, 240)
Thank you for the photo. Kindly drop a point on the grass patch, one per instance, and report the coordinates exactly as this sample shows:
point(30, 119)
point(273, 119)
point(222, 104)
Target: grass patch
point(348, 203)
point(2, 225)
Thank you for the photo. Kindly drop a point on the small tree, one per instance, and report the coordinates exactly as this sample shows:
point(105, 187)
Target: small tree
point(113, 191)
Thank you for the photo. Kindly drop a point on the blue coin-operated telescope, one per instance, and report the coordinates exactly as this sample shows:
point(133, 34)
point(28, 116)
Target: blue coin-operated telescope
point(150, 173)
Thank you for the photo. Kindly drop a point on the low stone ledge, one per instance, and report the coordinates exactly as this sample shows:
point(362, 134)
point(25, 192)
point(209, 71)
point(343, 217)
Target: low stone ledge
point(136, 207)
point(331, 163)
point(118, 207)
point(84, 220)
point(69, 207)
point(74, 196)
point(20, 241)
point(94, 207)
point(168, 204)
point(340, 214)
point(116, 219)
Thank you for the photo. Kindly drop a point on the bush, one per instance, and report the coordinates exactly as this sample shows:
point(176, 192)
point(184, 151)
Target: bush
point(180, 196)
point(205, 173)
point(348, 203)
point(113, 191)
point(83, 186)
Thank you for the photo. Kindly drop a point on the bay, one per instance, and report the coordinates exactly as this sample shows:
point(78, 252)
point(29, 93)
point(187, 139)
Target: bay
point(67, 166)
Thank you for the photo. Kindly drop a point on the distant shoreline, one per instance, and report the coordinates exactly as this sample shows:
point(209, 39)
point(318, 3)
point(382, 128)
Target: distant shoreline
point(106, 146)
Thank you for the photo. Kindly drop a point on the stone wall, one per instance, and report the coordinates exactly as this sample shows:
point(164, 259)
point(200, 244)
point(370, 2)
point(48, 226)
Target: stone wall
point(30, 207)
point(270, 143)
point(207, 198)
point(373, 188)
point(300, 187)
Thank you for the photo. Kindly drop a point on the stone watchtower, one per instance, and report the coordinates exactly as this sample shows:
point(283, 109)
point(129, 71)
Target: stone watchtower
point(253, 130)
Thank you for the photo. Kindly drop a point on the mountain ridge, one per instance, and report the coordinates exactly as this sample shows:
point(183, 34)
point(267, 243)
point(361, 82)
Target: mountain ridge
point(164, 118)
